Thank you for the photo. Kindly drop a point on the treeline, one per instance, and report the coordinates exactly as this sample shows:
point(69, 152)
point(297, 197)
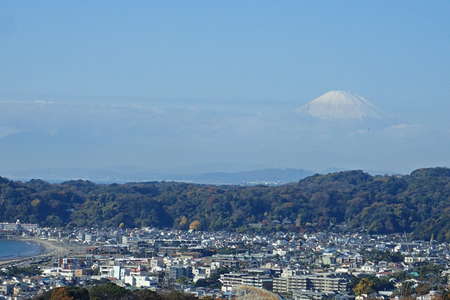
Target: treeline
point(427, 276)
point(418, 203)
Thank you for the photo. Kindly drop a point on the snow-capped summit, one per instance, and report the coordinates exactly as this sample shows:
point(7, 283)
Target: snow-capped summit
point(340, 105)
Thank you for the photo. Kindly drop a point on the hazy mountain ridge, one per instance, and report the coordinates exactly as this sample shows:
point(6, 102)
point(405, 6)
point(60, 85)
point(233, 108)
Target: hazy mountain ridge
point(261, 176)
point(418, 203)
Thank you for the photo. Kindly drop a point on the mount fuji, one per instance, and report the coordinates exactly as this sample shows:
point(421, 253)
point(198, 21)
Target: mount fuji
point(341, 105)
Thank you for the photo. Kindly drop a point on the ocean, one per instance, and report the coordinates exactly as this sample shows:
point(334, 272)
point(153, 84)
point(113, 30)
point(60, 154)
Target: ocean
point(12, 249)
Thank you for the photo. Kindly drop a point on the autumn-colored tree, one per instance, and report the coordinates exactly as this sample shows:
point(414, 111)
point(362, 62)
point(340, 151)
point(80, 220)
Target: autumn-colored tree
point(61, 294)
point(69, 293)
point(195, 225)
point(364, 286)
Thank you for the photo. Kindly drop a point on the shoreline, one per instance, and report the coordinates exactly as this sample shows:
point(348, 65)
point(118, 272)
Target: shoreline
point(46, 249)
point(38, 249)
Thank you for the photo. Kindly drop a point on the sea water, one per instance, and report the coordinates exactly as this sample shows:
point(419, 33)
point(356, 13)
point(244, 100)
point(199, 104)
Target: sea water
point(12, 249)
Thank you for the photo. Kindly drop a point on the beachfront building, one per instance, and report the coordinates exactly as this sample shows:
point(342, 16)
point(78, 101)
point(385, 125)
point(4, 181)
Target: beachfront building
point(18, 227)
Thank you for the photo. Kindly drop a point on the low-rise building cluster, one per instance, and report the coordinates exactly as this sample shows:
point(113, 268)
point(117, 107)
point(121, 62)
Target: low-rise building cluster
point(325, 265)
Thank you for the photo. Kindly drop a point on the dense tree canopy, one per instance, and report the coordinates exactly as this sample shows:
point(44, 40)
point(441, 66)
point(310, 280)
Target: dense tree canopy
point(109, 291)
point(418, 203)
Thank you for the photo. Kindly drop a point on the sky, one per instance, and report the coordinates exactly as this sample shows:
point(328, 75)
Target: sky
point(195, 86)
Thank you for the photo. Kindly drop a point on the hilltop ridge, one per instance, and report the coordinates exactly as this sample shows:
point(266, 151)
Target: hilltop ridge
point(418, 203)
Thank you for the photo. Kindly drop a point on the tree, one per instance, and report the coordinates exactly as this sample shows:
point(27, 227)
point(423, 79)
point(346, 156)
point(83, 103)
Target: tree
point(423, 289)
point(364, 286)
point(195, 225)
point(69, 293)
point(183, 221)
point(108, 291)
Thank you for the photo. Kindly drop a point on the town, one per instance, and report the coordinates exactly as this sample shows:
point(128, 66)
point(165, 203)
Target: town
point(220, 265)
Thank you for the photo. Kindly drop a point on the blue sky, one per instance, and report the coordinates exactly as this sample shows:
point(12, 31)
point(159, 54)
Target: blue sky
point(193, 84)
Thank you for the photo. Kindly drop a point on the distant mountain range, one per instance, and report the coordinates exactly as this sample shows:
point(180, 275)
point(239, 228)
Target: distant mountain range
point(121, 175)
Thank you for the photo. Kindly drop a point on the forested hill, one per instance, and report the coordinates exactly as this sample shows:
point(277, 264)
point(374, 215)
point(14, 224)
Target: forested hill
point(417, 203)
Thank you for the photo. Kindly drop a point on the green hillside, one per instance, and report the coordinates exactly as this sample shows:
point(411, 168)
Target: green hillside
point(418, 203)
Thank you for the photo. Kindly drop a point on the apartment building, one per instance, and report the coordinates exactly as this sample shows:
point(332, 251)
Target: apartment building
point(233, 280)
point(325, 282)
